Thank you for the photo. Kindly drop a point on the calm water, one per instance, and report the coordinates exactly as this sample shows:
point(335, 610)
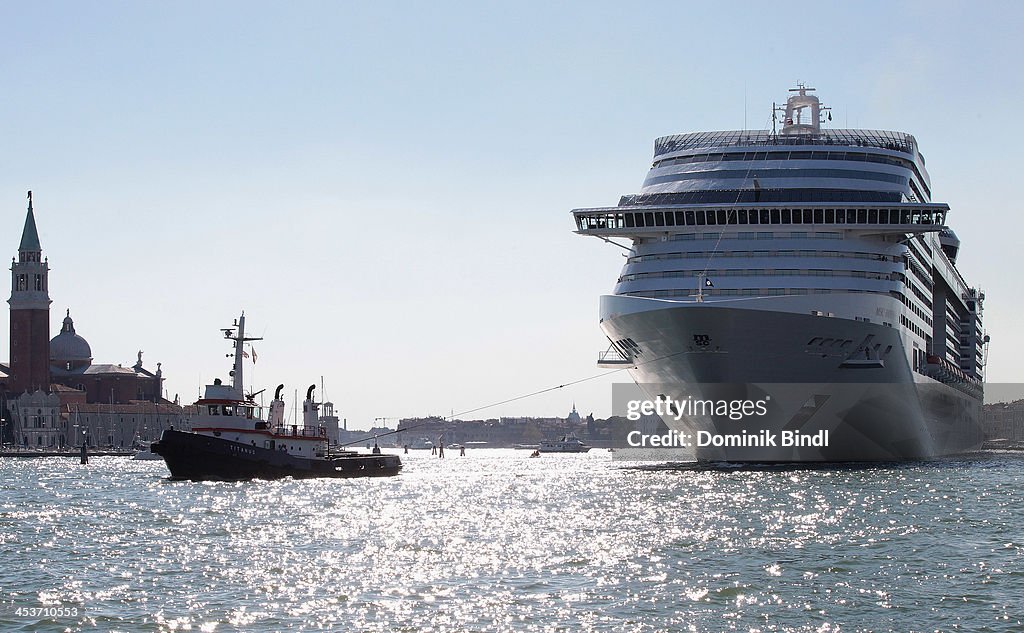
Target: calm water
point(495, 541)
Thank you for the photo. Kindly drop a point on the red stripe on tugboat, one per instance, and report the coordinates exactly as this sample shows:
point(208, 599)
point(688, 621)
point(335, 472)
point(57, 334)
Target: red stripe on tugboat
point(296, 432)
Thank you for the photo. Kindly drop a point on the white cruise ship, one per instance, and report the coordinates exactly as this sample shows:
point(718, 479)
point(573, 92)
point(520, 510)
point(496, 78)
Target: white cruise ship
point(804, 266)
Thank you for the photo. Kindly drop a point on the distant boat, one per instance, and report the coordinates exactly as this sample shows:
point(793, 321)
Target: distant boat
point(568, 443)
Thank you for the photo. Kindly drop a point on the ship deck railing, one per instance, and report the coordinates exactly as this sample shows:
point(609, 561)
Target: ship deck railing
point(612, 358)
point(629, 221)
point(878, 139)
point(300, 431)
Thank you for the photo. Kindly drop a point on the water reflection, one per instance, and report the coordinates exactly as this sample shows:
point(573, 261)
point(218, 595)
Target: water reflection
point(495, 542)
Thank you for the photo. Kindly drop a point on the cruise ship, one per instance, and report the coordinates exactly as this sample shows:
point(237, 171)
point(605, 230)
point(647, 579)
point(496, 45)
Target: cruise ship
point(804, 268)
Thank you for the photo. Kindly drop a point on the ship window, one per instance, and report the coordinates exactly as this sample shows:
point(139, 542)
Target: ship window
point(759, 155)
point(742, 216)
point(228, 410)
point(649, 219)
point(690, 218)
point(670, 218)
point(764, 216)
point(214, 410)
point(659, 218)
point(872, 216)
point(720, 216)
point(629, 221)
point(700, 218)
point(778, 155)
point(862, 216)
point(819, 216)
point(799, 155)
point(830, 216)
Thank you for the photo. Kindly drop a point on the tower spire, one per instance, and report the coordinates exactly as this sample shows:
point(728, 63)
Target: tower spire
point(30, 313)
point(29, 235)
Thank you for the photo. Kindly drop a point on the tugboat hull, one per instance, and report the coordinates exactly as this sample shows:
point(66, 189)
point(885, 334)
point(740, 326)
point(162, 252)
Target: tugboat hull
point(201, 457)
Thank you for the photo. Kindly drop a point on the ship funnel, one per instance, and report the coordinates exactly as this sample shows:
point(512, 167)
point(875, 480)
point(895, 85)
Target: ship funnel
point(275, 417)
point(310, 418)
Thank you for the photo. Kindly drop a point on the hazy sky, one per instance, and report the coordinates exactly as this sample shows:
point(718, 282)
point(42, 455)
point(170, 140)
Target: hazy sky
point(385, 188)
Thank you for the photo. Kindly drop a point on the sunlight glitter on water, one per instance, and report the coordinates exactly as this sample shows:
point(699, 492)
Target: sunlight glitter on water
point(497, 542)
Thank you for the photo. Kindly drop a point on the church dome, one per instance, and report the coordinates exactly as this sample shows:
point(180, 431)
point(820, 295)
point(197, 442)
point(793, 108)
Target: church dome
point(68, 346)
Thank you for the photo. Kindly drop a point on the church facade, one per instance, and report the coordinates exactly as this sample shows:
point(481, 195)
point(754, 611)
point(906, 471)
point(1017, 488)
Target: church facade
point(50, 383)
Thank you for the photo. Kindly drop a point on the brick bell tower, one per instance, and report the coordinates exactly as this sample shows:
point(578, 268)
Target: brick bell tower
point(30, 313)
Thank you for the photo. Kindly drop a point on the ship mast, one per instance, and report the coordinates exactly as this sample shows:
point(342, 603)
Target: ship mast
point(240, 340)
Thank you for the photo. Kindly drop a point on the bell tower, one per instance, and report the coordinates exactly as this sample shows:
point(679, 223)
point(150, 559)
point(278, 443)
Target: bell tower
point(30, 312)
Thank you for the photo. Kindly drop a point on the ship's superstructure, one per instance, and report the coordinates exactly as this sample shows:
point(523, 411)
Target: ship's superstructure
point(799, 255)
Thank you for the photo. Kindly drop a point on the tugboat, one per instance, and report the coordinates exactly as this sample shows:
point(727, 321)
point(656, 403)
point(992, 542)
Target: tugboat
point(231, 440)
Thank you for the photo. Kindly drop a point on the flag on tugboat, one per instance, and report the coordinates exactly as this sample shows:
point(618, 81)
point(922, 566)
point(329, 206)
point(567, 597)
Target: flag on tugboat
point(707, 282)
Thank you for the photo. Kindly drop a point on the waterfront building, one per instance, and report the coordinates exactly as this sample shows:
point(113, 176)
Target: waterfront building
point(48, 379)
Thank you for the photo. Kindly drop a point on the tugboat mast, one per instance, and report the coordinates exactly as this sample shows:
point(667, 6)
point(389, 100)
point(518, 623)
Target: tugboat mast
point(240, 340)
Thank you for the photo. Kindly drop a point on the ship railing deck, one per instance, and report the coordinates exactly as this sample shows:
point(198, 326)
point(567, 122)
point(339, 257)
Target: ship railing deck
point(878, 139)
point(300, 431)
point(612, 358)
point(631, 221)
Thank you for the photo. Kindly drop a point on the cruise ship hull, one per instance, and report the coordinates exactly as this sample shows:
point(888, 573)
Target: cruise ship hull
point(200, 457)
point(820, 389)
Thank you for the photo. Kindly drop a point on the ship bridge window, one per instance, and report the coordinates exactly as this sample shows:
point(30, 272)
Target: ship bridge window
point(228, 410)
point(214, 409)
